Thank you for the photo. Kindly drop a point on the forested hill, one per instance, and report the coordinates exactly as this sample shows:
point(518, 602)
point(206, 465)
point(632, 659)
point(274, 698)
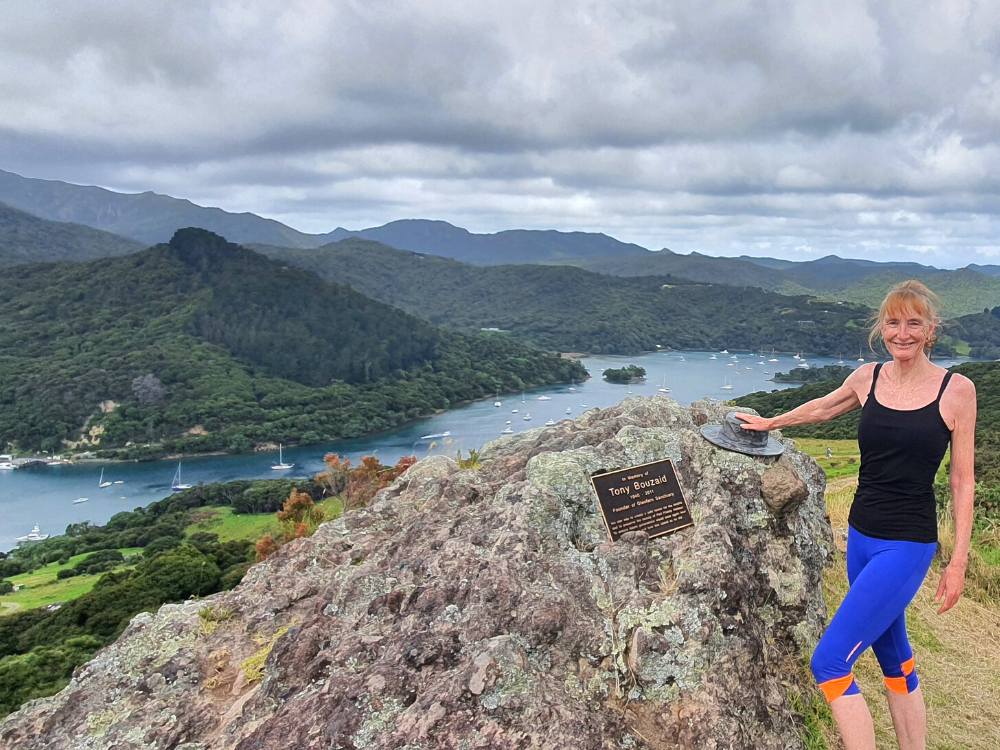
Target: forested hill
point(145, 217)
point(570, 309)
point(205, 345)
point(510, 246)
point(28, 239)
point(962, 291)
point(983, 330)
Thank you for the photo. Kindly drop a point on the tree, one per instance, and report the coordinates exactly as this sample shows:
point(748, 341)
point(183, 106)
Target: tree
point(265, 547)
point(299, 517)
point(334, 479)
point(148, 389)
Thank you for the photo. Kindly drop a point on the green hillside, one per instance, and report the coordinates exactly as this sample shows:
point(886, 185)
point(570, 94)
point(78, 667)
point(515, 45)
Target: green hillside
point(204, 345)
point(962, 291)
point(28, 239)
point(146, 217)
point(983, 330)
point(705, 269)
point(570, 309)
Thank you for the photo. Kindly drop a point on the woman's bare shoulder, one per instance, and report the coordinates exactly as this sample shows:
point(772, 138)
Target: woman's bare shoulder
point(958, 402)
point(961, 386)
point(862, 376)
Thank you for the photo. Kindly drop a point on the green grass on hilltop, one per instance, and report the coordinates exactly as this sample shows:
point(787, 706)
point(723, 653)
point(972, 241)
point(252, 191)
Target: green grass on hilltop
point(228, 525)
point(41, 587)
point(845, 461)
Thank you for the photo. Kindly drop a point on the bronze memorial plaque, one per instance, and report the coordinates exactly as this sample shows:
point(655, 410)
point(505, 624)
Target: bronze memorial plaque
point(642, 498)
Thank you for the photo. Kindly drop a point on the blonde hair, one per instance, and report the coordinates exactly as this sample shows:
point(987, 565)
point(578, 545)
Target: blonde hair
point(908, 296)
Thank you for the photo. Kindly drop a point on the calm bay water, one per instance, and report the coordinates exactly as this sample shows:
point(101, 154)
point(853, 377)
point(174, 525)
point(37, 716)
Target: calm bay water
point(45, 496)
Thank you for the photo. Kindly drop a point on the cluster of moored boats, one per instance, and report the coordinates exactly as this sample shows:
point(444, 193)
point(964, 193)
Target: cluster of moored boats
point(176, 485)
point(508, 429)
point(763, 361)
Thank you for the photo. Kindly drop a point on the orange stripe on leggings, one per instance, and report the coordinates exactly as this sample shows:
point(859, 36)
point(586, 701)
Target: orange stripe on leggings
point(836, 687)
point(898, 684)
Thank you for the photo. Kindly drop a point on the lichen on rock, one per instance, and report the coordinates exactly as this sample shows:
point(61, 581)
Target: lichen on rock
point(487, 608)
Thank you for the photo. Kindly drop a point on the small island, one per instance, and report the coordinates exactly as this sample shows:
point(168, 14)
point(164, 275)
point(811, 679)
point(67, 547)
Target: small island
point(627, 374)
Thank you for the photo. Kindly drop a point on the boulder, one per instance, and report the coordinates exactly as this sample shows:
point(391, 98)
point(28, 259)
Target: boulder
point(486, 608)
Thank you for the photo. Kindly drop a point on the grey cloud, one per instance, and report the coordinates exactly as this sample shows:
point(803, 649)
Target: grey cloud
point(785, 125)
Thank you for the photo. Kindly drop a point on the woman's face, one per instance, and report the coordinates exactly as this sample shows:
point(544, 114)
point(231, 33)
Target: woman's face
point(905, 333)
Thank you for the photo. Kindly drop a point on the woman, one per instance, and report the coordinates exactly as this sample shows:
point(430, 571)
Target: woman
point(911, 409)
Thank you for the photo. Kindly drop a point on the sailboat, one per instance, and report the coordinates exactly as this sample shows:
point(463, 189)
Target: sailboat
point(663, 388)
point(860, 358)
point(527, 417)
point(498, 403)
point(177, 484)
point(727, 386)
point(101, 482)
point(281, 465)
point(507, 430)
point(80, 500)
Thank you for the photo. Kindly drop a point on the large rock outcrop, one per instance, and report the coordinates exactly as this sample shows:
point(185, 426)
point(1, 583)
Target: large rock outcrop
point(485, 608)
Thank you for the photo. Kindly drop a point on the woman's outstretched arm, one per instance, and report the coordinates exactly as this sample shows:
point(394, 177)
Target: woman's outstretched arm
point(823, 409)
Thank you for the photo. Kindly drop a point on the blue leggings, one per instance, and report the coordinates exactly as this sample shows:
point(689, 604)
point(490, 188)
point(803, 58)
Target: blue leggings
point(885, 575)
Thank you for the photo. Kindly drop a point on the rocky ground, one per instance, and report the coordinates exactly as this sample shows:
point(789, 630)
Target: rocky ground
point(485, 608)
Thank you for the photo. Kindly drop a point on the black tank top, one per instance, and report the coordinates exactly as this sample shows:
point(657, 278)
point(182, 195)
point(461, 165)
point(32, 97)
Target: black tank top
point(901, 450)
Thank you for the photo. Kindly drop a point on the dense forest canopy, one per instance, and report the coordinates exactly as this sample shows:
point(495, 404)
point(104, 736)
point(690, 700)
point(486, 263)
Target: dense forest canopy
point(570, 309)
point(28, 239)
point(204, 345)
point(982, 330)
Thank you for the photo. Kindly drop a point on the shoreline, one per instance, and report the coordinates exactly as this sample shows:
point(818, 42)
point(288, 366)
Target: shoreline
point(84, 459)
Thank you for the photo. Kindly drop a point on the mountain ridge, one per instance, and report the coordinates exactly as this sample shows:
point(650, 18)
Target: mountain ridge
point(574, 309)
point(152, 217)
point(25, 237)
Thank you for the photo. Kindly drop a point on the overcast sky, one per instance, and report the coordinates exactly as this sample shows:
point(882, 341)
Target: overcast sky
point(792, 129)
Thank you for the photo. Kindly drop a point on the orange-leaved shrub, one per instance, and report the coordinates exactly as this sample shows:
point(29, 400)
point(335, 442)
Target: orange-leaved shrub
point(357, 485)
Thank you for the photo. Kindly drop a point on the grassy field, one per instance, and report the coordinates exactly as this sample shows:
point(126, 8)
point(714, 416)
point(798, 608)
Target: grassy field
point(228, 525)
point(957, 655)
point(844, 461)
point(40, 587)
